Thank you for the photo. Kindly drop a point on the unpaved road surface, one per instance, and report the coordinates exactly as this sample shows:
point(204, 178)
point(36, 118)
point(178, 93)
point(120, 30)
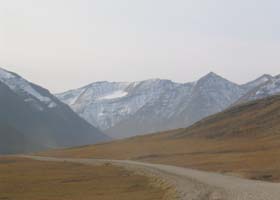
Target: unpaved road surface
point(193, 184)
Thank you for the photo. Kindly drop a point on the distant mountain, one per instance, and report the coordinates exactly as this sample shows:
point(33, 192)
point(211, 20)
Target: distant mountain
point(256, 83)
point(124, 109)
point(268, 86)
point(32, 117)
point(180, 105)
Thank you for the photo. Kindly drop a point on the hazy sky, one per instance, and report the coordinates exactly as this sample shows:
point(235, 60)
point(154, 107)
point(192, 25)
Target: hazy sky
point(64, 44)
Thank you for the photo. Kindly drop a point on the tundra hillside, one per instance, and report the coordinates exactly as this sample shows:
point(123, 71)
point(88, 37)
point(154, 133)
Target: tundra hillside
point(243, 140)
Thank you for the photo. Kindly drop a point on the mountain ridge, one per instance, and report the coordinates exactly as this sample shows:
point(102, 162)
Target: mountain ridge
point(40, 117)
point(124, 109)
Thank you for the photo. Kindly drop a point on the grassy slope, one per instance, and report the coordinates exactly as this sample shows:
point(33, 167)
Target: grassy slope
point(32, 180)
point(243, 140)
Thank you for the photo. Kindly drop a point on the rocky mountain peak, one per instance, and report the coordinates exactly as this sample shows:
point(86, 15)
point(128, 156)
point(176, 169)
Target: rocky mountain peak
point(257, 82)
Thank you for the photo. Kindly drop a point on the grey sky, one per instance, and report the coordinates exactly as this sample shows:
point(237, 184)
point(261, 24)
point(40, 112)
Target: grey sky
point(64, 44)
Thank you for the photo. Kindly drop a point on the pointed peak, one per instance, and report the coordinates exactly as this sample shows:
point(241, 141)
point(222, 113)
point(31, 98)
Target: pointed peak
point(212, 75)
point(212, 78)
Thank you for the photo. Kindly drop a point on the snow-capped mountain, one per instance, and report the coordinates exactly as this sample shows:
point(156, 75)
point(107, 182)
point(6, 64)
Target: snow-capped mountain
point(29, 91)
point(256, 83)
point(39, 117)
point(121, 109)
point(268, 87)
point(180, 106)
point(210, 95)
point(105, 104)
point(124, 109)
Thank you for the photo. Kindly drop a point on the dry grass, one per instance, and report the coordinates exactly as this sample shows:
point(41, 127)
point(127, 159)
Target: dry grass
point(25, 179)
point(255, 158)
point(243, 141)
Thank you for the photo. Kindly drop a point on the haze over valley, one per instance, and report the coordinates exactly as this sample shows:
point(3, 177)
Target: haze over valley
point(142, 100)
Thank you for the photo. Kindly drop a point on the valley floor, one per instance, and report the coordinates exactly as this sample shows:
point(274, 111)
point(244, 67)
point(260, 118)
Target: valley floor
point(26, 179)
point(248, 157)
point(191, 184)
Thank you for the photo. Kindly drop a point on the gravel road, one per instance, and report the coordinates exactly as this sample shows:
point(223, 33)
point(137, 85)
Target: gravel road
point(192, 184)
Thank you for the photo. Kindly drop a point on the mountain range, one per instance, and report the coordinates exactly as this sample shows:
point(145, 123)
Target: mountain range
point(31, 118)
point(125, 109)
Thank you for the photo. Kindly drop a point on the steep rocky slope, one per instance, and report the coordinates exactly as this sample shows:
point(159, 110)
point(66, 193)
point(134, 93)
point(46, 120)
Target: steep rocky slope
point(39, 117)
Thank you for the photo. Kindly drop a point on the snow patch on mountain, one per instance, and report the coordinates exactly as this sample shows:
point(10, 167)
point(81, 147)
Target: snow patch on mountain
point(262, 87)
point(256, 83)
point(104, 104)
point(114, 95)
point(272, 87)
point(20, 86)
